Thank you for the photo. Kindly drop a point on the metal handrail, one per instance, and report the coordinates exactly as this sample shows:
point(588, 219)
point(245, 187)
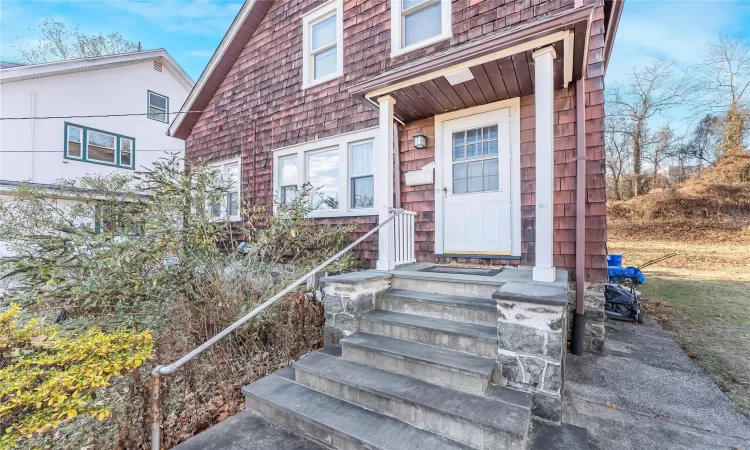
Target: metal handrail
point(171, 368)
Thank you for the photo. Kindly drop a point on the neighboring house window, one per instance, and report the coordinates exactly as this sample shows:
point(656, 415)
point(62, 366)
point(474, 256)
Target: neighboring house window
point(322, 40)
point(362, 175)
point(288, 177)
point(98, 146)
point(228, 207)
point(158, 107)
point(418, 23)
point(341, 169)
point(74, 145)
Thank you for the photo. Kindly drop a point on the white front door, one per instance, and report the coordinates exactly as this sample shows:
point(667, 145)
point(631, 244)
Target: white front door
point(476, 174)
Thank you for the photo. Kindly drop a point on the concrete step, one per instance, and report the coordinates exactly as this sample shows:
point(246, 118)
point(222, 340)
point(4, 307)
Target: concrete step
point(443, 283)
point(466, 337)
point(248, 431)
point(548, 436)
point(473, 420)
point(476, 310)
point(334, 422)
point(456, 370)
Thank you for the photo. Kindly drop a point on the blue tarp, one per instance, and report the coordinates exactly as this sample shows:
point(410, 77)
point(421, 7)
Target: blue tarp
point(630, 271)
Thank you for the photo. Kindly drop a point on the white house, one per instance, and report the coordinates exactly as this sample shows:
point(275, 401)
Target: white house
point(76, 130)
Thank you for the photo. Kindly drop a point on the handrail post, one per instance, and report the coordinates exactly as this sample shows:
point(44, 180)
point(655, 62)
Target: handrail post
point(155, 410)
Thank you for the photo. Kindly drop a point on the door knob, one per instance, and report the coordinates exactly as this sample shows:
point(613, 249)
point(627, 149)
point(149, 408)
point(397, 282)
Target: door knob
point(445, 192)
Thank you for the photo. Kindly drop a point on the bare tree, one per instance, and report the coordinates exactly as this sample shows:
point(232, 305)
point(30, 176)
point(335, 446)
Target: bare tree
point(704, 144)
point(667, 145)
point(727, 83)
point(619, 149)
point(56, 42)
point(651, 91)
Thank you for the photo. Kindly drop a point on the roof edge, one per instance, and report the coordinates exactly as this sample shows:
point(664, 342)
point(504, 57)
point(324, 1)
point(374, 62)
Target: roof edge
point(10, 75)
point(178, 128)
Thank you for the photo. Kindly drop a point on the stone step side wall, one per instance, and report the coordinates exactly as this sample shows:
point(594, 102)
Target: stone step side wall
point(531, 348)
point(345, 302)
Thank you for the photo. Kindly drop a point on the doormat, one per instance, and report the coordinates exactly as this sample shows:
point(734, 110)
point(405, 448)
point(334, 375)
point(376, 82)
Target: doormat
point(462, 270)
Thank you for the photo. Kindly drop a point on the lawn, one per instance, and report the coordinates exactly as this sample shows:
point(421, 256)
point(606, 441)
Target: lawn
point(702, 299)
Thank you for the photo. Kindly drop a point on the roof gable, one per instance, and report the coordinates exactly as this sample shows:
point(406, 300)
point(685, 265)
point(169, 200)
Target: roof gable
point(229, 50)
point(20, 73)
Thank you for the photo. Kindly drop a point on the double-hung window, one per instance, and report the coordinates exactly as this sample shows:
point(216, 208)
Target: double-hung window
point(98, 146)
point(362, 175)
point(418, 23)
point(340, 171)
point(228, 206)
point(158, 107)
point(322, 38)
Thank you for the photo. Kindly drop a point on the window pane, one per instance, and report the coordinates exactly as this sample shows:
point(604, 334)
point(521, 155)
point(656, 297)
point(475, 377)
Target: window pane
point(157, 101)
point(422, 24)
point(216, 210)
point(324, 33)
point(458, 138)
point(74, 134)
point(101, 147)
point(459, 186)
point(475, 169)
point(490, 132)
point(363, 192)
point(474, 135)
point(126, 148)
point(406, 4)
point(459, 171)
point(362, 159)
point(491, 183)
point(473, 150)
point(459, 152)
point(234, 204)
point(288, 171)
point(288, 194)
point(158, 114)
point(325, 63)
point(490, 167)
point(490, 148)
point(74, 149)
point(475, 184)
point(323, 175)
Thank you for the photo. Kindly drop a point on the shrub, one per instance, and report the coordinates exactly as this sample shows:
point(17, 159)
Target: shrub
point(47, 378)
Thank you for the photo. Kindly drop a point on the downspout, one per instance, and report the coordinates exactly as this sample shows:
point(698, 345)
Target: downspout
point(579, 319)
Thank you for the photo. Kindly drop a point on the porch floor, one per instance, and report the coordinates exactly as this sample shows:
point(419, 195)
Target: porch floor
point(508, 275)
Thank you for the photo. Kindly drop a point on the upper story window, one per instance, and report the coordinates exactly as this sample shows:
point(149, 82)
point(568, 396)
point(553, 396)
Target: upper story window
point(158, 107)
point(418, 23)
point(322, 41)
point(341, 169)
point(100, 147)
point(228, 207)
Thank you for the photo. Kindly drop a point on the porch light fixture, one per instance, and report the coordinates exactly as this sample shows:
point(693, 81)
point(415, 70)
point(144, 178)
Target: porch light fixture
point(420, 140)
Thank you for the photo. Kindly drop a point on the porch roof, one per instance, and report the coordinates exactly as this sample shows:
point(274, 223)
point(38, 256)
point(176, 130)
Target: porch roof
point(500, 66)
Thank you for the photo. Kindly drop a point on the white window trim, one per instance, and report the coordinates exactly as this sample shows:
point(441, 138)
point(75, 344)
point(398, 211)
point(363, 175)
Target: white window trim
point(340, 142)
point(397, 45)
point(222, 167)
point(316, 15)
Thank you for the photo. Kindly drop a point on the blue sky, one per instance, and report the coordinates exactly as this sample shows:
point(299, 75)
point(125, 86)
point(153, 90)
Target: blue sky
point(191, 29)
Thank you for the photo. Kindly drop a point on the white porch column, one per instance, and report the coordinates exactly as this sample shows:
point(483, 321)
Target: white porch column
point(544, 96)
point(384, 182)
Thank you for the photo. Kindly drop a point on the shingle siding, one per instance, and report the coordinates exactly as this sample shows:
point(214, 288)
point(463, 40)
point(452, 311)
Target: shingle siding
point(260, 107)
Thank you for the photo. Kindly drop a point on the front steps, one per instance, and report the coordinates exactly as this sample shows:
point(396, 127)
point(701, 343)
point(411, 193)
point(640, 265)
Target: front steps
point(413, 373)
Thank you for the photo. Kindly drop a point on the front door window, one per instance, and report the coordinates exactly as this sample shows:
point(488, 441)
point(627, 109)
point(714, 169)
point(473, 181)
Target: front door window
point(475, 165)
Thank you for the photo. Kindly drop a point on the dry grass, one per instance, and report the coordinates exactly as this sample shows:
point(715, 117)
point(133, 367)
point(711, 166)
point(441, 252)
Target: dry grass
point(702, 299)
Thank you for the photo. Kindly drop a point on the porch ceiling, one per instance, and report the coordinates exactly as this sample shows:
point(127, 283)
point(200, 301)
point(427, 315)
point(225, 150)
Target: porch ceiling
point(501, 64)
point(509, 77)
